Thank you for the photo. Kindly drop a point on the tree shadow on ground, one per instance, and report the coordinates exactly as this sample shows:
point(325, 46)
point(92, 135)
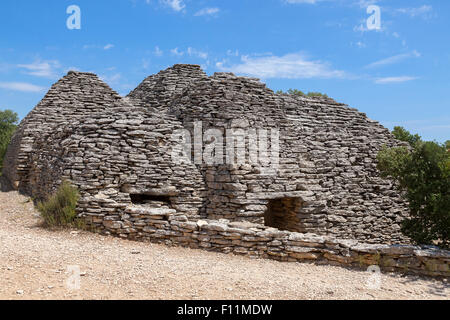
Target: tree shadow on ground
point(437, 285)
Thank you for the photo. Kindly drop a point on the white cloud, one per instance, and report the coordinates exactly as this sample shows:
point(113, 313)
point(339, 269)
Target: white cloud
point(45, 69)
point(306, 1)
point(363, 27)
point(415, 12)
point(394, 59)
point(394, 79)
point(207, 12)
point(176, 52)
point(111, 79)
point(158, 52)
point(289, 66)
point(301, 1)
point(145, 63)
point(234, 53)
point(176, 5)
point(365, 3)
point(194, 52)
point(94, 46)
point(20, 86)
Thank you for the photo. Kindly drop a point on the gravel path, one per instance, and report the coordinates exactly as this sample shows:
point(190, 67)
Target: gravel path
point(34, 265)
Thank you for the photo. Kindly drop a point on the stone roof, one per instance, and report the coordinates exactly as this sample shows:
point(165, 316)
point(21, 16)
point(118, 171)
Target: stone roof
point(118, 149)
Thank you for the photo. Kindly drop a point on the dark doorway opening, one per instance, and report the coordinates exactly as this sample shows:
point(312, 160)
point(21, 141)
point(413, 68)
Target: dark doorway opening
point(141, 199)
point(282, 214)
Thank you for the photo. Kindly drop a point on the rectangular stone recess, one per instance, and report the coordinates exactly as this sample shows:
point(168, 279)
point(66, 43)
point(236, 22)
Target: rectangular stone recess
point(281, 213)
point(141, 199)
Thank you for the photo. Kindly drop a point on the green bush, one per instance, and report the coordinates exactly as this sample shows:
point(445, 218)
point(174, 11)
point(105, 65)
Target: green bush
point(59, 209)
point(317, 94)
point(423, 175)
point(8, 121)
point(300, 93)
point(296, 92)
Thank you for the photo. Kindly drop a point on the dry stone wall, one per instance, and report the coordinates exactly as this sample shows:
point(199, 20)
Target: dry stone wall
point(118, 152)
point(257, 241)
point(327, 160)
point(116, 158)
point(76, 96)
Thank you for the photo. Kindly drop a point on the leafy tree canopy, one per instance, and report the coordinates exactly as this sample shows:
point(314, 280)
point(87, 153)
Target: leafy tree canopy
point(422, 173)
point(402, 134)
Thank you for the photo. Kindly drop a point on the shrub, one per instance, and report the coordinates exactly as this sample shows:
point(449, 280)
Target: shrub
point(317, 94)
point(423, 176)
point(8, 121)
point(300, 93)
point(59, 209)
point(296, 92)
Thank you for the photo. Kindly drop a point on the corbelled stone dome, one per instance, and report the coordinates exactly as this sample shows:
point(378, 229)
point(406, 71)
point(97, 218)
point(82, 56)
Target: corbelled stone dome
point(119, 152)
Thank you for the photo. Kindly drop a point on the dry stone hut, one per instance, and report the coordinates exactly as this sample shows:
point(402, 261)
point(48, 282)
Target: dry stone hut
point(119, 152)
point(220, 163)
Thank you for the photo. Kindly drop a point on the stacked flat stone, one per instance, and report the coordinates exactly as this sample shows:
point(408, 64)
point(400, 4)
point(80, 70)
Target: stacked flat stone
point(327, 160)
point(258, 241)
point(76, 96)
point(118, 152)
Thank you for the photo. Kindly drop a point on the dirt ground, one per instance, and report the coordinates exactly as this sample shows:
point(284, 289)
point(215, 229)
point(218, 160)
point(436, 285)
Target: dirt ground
point(40, 264)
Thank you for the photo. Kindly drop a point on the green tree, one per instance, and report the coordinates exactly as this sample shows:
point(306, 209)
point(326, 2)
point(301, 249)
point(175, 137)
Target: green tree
point(402, 134)
point(422, 174)
point(8, 124)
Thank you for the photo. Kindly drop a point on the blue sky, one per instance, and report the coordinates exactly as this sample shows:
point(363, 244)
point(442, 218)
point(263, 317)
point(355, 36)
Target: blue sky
point(397, 74)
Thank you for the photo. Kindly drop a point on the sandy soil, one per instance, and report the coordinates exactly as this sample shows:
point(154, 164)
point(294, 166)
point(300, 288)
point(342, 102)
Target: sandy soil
point(40, 264)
